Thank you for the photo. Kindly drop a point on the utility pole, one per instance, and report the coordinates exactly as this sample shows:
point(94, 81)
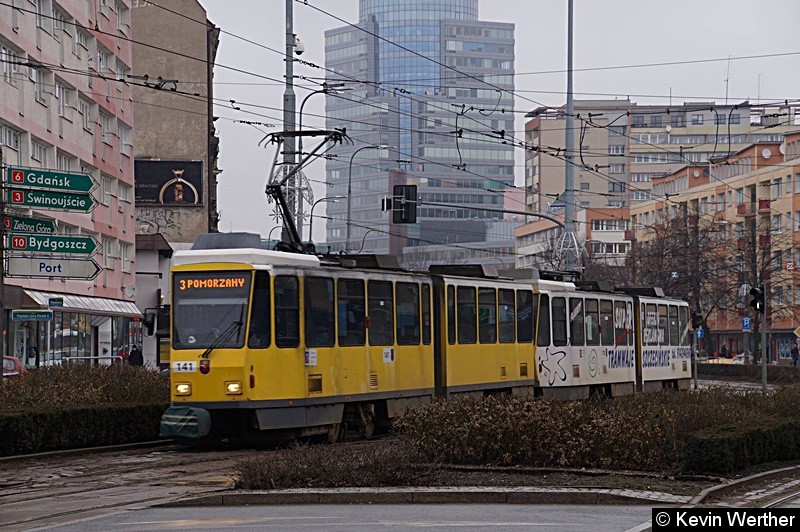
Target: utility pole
point(3, 335)
point(764, 341)
point(289, 103)
point(570, 250)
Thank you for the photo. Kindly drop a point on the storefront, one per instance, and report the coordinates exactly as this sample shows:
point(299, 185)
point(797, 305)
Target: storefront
point(87, 329)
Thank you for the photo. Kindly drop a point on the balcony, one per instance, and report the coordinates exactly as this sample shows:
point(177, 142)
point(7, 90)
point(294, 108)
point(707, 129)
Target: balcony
point(764, 240)
point(744, 209)
point(764, 206)
point(630, 235)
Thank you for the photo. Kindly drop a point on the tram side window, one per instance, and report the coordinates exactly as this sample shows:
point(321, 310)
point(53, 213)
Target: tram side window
point(620, 329)
point(259, 313)
point(606, 322)
point(673, 325)
point(559, 321)
point(287, 311)
point(592, 323)
point(487, 315)
point(576, 326)
point(683, 318)
point(426, 314)
point(351, 310)
point(651, 324)
point(663, 325)
point(451, 314)
point(380, 312)
point(525, 314)
point(466, 315)
point(505, 315)
point(407, 295)
point(319, 312)
point(543, 326)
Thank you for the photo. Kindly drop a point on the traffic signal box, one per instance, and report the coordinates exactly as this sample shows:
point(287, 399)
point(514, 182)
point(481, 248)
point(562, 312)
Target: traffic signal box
point(757, 302)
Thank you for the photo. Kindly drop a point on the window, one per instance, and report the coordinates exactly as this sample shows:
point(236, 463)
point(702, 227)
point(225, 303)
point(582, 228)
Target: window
point(735, 119)
point(125, 140)
point(576, 325)
point(84, 110)
point(319, 314)
point(621, 326)
point(487, 315)
point(9, 137)
point(592, 321)
point(607, 322)
point(63, 162)
point(678, 121)
point(616, 169)
point(62, 94)
point(616, 186)
point(673, 325)
point(287, 313)
point(543, 322)
point(108, 253)
point(60, 23)
point(451, 315)
point(9, 60)
point(105, 123)
point(505, 316)
point(559, 321)
point(351, 309)
point(638, 121)
point(525, 316)
point(466, 315)
point(39, 153)
point(126, 256)
point(663, 325)
point(697, 120)
point(259, 334)
point(720, 118)
point(407, 295)
point(426, 314)
point(616, 150)
point(381, 313)
point(584, 186)
point(37, 77)
point(655, 121)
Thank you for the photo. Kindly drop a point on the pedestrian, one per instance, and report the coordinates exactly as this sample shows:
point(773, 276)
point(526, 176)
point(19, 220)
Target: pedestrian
point(135, 357)
point(795, 354)
point(723, 352)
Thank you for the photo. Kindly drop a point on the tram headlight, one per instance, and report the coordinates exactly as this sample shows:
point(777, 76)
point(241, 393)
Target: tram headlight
point(183, 388)
point(233, 388)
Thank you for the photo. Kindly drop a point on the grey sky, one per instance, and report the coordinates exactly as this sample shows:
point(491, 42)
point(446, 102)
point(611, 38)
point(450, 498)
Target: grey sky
point(608, 33)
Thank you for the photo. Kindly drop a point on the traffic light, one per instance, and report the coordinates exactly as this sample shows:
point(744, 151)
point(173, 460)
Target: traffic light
point(404, 204)
point(697, 320)
point(758, 298)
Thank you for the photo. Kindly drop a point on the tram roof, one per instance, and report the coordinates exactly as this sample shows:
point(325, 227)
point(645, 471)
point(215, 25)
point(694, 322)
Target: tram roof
point(260, 257)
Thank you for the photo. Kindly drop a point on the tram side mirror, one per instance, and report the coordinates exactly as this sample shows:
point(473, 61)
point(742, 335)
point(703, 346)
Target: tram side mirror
point(150, 322)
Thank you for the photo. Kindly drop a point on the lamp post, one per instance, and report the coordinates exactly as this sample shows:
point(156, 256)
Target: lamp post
point(350, 187)
point(332, 199)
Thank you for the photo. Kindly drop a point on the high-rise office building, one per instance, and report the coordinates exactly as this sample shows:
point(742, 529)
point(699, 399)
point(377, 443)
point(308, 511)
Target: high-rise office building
point(434, 84)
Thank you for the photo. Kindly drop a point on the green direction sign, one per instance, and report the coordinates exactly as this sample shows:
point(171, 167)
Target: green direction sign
point(72, 244)
point(46, 199)
point(35, 178)
point(23, 224)
point(32, 315)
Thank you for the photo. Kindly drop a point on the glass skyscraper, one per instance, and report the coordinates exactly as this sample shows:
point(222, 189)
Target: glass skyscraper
point(434, 83)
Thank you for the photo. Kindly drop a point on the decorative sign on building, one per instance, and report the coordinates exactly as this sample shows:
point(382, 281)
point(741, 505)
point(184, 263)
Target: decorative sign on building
point(170, 183)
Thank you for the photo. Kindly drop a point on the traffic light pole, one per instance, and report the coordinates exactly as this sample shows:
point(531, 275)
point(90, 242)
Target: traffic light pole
point(694, 357)
point(764, 342)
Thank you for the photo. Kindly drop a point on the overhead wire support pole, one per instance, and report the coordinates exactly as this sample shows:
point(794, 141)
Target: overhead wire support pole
point(289, 103)
point(3, 335)
point(569, 243)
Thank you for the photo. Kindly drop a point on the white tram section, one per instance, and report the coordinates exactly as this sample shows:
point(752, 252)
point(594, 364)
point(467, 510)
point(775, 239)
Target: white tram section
point(665, 343)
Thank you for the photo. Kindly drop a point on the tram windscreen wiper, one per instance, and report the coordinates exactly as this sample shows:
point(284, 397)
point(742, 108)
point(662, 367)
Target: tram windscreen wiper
point(234, 328)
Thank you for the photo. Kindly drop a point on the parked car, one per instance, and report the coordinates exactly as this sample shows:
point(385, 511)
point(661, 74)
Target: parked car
point(12, 367)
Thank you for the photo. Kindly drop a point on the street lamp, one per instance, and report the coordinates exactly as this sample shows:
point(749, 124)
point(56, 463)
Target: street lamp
point(332, 199)
point(350, 186)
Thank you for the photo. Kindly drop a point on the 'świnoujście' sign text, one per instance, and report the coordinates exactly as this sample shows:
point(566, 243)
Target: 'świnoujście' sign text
point(48, 199)
point(35, 178)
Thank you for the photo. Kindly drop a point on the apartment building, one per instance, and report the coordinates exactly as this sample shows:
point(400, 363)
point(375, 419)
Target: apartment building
point(64, 107)
point(749, 203)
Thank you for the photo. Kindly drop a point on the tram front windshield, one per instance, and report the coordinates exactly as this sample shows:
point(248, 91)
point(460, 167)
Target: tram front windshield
point(209, 309)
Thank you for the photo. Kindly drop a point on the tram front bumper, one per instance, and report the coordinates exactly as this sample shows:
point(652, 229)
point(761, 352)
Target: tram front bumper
point(185, 422)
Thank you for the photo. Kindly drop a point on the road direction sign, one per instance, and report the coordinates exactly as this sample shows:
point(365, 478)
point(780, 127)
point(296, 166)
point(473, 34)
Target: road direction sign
point(55, 302)
point(797, 332)
point(66, 244)
point(698, 333)
point(61, 268)
point(32, 315)
point(42, 179)
point(24, 224)
point(47, 199)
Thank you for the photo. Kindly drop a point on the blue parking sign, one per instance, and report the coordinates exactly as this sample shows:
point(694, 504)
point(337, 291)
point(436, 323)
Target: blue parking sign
point(746, 324)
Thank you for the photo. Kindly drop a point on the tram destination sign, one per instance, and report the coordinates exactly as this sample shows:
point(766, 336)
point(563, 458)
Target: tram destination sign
point(43, 179)
point(23, 224)
point(66, 244)
point(60, 268)
point(48, 199)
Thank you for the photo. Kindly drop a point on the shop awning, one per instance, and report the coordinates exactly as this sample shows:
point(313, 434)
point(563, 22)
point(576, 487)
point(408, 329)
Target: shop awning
point(93, 305)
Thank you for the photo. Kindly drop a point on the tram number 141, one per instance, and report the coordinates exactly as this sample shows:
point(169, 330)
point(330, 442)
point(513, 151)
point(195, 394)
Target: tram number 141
point(184, 367)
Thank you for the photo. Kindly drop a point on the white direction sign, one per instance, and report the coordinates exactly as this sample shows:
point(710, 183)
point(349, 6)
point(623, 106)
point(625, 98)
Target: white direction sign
point(67, 268)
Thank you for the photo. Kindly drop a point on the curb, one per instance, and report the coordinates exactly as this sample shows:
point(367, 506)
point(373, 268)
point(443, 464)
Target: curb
point(87, 450)
point(723, 489)
point(471, 495)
